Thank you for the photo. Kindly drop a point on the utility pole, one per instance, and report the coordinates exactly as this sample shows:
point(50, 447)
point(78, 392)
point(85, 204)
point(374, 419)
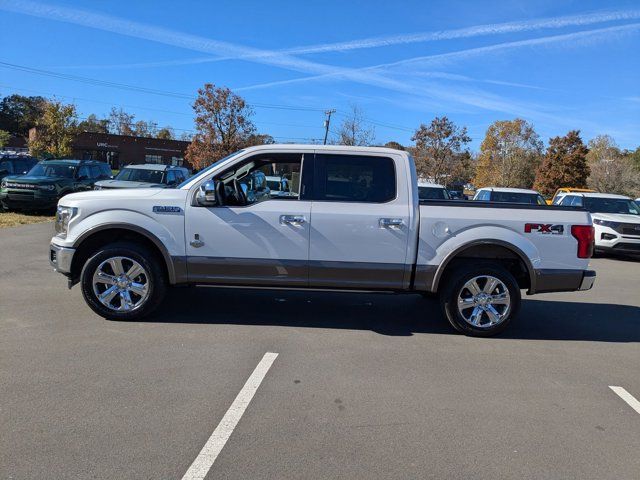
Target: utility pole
point(326, 124)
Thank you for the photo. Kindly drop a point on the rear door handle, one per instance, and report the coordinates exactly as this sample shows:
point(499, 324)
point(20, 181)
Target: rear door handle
point(391, 222)
point(292, 219)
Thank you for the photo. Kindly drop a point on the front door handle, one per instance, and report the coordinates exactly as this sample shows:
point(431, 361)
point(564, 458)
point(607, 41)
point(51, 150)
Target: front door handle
point(196, 242)
point(292, 219)
point(391, 223)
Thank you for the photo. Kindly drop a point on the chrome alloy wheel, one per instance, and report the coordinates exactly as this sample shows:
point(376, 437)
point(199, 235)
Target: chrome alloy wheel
point(484, 301)
point(121, 284)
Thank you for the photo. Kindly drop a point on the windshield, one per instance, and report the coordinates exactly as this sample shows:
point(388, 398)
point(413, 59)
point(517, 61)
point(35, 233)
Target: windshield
point(611, 205)
point(44, 169)
point(140, 175)
point(516, 197)
point(213, 165)
point(433, 193)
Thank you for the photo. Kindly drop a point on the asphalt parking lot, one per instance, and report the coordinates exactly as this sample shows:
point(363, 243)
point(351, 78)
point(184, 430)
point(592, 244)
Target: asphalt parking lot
point(364, 386)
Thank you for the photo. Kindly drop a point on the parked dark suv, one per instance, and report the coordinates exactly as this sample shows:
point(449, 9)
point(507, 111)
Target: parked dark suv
point(48, 181)
point(11, 164)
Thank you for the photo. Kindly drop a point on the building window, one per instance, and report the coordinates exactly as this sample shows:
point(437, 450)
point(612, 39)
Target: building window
point(177, 161)
point(153, 159)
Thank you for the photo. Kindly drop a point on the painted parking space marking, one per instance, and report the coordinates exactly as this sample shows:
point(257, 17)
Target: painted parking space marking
point(203, 462)
point(627, 397)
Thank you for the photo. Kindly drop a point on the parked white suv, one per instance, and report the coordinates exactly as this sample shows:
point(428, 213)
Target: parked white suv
point(616, 219)
point(512, 195)
point(352, 220)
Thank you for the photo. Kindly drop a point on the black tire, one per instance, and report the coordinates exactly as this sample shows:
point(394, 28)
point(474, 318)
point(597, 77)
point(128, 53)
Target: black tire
point(156, 278)
point(454, 285)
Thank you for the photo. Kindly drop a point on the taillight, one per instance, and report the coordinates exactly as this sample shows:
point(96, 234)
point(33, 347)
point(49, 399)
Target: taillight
point(585, 234)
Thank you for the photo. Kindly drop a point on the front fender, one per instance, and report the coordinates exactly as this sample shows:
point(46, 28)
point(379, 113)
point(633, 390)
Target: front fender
point(127, 219)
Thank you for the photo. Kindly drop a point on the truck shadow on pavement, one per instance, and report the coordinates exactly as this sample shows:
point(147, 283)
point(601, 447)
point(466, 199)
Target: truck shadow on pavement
point(388, 314)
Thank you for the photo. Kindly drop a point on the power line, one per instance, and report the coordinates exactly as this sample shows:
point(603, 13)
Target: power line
point(169, 94)
point(381, 124)
point(139, 107)
point(138, 89)
point(132, 124)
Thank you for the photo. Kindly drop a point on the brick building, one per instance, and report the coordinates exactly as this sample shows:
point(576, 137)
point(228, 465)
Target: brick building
point(121, 150)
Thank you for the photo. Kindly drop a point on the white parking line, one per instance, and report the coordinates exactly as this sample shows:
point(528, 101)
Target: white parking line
point(203, 462)
point(627, 397)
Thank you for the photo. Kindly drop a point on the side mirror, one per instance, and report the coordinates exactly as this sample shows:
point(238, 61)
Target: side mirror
point(206, 196)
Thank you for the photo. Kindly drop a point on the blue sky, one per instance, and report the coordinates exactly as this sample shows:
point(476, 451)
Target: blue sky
point(559, 64)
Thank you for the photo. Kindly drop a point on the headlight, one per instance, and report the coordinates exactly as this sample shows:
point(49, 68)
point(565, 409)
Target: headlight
point(48, 188)
point(3, 184)
point(63, 216)
point(606, 223)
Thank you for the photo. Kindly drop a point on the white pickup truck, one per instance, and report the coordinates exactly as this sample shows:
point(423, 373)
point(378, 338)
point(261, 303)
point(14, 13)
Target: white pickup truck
point(351, 219)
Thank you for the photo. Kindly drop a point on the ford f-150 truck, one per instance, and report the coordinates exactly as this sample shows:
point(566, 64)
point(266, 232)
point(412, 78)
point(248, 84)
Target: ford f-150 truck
point(351, 219)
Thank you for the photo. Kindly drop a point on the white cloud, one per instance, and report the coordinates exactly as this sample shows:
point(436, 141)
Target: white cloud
point(73, 16)
point(574, 39)
point(474, 31)
point(378, 75)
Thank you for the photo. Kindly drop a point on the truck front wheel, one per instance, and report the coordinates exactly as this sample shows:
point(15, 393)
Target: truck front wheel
point(122, 281)
point(480, 300)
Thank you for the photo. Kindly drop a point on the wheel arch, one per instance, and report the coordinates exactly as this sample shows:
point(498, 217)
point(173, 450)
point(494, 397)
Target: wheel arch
point(516, 261)
point(100, 235)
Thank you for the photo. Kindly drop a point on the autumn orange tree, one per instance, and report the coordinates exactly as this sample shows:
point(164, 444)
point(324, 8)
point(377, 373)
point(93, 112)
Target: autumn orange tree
point(564, 164)
point(509, 155)
point(223, 126)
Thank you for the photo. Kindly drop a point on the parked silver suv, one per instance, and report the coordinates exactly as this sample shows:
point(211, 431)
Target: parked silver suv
point(145, 176)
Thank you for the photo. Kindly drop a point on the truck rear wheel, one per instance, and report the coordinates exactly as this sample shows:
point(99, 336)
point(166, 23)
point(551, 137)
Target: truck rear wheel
point(480, 300)
point(122, 281)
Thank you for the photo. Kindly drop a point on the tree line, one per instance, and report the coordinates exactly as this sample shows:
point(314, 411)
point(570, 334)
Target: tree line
point(512, 154)
point(57, 123)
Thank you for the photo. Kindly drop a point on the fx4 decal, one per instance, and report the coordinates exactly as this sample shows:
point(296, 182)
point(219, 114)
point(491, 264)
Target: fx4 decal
point(544, 228)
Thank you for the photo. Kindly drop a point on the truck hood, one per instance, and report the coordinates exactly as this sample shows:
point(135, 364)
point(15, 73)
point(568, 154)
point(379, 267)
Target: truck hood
point(35, 179)
point(113, 195)
point(617, 217)
point(126, 184)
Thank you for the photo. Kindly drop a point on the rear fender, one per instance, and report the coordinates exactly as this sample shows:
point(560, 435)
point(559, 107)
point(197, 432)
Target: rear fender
point(485, 235)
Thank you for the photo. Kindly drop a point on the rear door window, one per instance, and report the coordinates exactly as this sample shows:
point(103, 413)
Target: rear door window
point(350, 178)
